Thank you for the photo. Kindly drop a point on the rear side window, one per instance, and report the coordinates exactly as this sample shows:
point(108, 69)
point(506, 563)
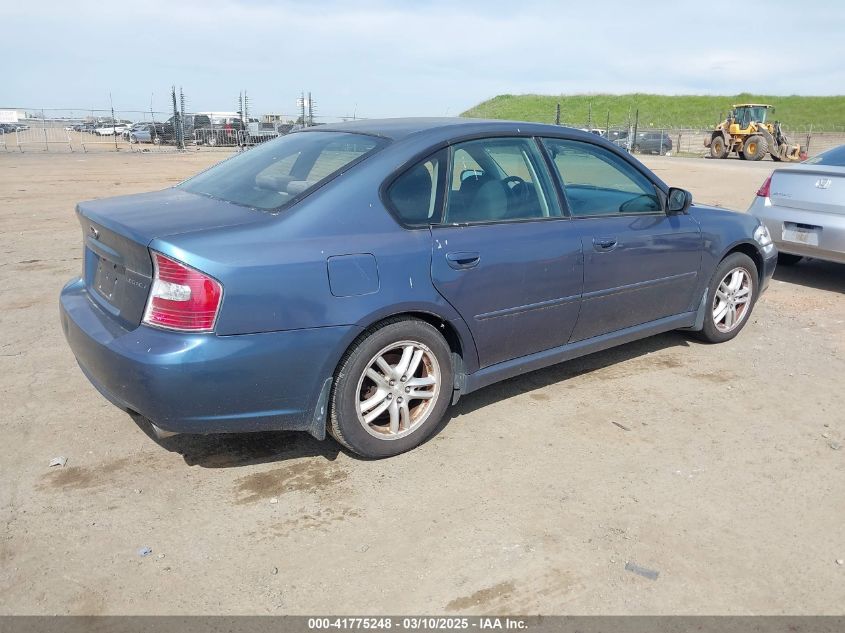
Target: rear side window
point(279, 172)
point(416, 195)
point(498, 180)
point(834, 157)
point(598, 182)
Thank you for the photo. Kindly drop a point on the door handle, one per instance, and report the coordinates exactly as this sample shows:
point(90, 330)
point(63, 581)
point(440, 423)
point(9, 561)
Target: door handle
point(604, 243)
point(462, 261)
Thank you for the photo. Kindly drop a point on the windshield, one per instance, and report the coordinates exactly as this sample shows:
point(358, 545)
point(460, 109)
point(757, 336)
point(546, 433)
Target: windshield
point(834, 157)
point(278, 173)
point(746, 114)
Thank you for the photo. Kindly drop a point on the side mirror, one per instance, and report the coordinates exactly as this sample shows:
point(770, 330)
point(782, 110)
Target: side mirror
point(679, 201)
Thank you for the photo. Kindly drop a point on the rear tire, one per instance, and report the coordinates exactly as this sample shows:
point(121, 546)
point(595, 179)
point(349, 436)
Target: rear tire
point(718, 149)
point(755, 148)
point(391, 389)
point(730, 298)
point(788, 259)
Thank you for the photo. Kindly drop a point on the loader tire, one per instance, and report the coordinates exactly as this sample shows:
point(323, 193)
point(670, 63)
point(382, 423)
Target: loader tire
point(718, 149)
point(755, 148)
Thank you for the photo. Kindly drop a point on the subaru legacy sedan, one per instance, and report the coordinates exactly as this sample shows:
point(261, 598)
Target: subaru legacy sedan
point(357, 279)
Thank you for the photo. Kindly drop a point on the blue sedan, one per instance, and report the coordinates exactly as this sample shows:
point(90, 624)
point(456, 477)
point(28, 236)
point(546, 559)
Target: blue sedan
point(359, 278)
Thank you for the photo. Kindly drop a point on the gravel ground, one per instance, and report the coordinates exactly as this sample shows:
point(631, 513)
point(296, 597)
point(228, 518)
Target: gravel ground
point(725, 479)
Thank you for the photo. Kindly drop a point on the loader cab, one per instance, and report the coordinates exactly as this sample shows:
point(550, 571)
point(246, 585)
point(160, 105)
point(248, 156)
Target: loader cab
point(744, 115)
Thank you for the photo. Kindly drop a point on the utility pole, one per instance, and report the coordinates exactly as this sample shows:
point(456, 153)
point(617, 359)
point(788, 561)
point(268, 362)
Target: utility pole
point(113, 122)
point(310, 110)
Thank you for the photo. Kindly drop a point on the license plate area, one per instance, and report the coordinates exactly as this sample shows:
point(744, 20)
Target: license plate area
point(801, 233)
point(106, 278)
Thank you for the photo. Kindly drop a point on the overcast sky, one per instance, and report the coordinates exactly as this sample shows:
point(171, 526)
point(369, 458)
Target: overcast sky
point(378, 58)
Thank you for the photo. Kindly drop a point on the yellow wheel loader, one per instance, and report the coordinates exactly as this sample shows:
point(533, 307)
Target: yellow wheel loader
point(747, 133)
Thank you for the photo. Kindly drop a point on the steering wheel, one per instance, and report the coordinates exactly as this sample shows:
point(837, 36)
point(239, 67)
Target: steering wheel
point(516, 186)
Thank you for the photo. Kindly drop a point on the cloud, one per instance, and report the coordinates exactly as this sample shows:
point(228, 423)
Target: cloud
point(379, 58)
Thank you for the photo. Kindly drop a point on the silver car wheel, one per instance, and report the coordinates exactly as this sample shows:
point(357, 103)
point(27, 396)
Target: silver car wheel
point(398, 390)
point(732, 300)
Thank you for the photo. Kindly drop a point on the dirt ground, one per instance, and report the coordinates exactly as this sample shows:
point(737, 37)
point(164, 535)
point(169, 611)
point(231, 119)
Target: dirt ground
point(530, 501)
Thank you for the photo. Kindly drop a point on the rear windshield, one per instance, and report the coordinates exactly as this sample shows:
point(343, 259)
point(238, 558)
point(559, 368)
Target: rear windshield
point(276, 174)
point(834, 157)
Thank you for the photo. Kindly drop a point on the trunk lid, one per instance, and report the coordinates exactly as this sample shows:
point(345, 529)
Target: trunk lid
point(116, 233)
point(810, 187)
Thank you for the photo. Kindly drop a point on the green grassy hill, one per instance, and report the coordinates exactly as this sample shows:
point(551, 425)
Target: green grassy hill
point(681, 111)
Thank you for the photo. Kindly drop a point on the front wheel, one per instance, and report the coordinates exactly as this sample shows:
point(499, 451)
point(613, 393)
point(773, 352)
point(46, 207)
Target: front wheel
point(718, 149)
point(391, 389)
point(730, 298)
point(755, 148)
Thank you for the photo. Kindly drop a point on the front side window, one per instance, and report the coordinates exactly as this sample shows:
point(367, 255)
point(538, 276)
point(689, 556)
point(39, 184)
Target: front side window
point(416, 195)
point(598, 182)
point(281, 171)
point(498, 180)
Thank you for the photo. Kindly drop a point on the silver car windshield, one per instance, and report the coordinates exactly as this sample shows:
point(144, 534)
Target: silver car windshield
point(276, 174)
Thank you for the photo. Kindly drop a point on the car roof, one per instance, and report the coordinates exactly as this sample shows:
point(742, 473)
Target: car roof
point(444, 128)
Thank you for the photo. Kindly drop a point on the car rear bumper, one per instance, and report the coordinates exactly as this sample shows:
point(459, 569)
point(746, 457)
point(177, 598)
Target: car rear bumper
point(204, 383)
point(831, 238)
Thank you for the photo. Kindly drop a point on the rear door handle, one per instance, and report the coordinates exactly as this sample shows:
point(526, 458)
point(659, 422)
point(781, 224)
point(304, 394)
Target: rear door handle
point(604, 243)
point(463, 260)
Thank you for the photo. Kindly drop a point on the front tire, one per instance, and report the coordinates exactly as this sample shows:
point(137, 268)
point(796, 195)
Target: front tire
point(391, 389)
point(718, 149)
point(755, 148)
point(730, 298)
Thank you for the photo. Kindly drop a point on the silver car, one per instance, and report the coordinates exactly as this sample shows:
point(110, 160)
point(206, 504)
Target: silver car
point(803, 206)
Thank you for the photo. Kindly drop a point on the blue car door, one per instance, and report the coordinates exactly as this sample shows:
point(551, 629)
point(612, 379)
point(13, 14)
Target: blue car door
point(504, 256)
point(640, 264)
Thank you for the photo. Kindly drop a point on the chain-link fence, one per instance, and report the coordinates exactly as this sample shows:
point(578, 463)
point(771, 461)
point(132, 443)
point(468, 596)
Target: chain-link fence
point(180, 128)
point(673, 140)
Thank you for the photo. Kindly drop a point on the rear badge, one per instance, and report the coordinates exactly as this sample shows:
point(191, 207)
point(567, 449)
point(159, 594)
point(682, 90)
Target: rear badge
point(824, 183)
point(94, 232)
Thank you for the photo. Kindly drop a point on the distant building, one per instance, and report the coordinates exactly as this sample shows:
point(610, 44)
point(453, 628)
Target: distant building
point(275, 118)
point(11, 116)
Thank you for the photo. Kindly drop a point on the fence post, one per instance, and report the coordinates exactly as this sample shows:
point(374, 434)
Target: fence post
point(557, 114)
point(44, 129)
point(636, 127)
point(809, 136)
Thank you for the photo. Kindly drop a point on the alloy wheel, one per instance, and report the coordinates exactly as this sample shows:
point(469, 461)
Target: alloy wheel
point(398, 390)
point(732, 300)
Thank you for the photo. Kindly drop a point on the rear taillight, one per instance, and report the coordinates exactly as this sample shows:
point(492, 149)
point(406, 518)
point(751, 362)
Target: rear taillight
point(763, 191)
point(182, 298)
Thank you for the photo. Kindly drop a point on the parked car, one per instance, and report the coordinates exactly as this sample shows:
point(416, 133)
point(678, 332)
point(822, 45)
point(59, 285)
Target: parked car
point(144, 133)
point(358, 278)
point(166, 131)
point(110, 129)
point(646, 143)
point(219, 130)
point(803, 207)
